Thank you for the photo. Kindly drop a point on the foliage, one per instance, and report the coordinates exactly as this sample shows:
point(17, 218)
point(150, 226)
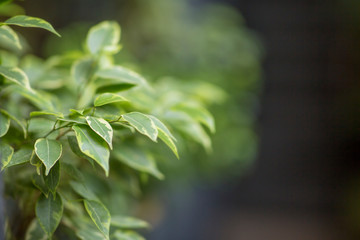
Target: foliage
point(67, 119)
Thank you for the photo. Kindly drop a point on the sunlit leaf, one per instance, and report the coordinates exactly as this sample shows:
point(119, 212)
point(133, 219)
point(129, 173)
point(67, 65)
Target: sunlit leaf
point(21, 156)
point(4, 124)
point(101, 128)
point(39, 113)
point(15, 75)
point(103, 37)
point(107, 98)
point(82, 70)
point(93, 146)
point(9, 36)
point(73, 143)
point(142, 123)
point(126, 235)
point(49, 151)
point(27, 21)
point(49, 212)
point(100, 216)
point(128, 222)
point(6, 154)
point(121, 74)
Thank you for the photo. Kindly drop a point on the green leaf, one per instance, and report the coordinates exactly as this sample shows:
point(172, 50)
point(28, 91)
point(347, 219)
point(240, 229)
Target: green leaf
point(100, 215)
point(121, 75)
point(165, 135)
point(18, 122)
point(53, 178)
point(198, 113)
point(113, 87)
point(93, 146)
point(39, 183)
point(48, 151)
point(15, 75)
point(101, 128)
point(90, 234)
point(128, 222)
point(103, 37)
point(4, 123)
point(82, 70)
point(126, 235)
point(9, 36)
point(74, 145)
point(107, 98)
point(82, 190)
point(40, 113)
point(142, 123)
point(49, 212)
point(35, 232)
point(21, 156)
point(137, 159)
point(6, 153)
point(27, 21)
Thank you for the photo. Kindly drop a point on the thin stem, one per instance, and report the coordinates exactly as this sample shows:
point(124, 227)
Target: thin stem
point(62, 134)
point(55, 129)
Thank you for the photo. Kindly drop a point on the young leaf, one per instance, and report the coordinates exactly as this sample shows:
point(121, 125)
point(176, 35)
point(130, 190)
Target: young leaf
point(9, 36)
point(82, 70)
point(48, 151)
point(40, 113)
point(137, 159)
point(103, 37)
point(128, 222)
point(121, 74)
point(127, 235)
point(35, 232)
point(107, 98)
point(21, 156)
point(6, 153)
point(100, 216)
point(16, 75)
point(4, 123)
point(142, 123)
point(101, 128)
point(93, 146)
point(49, 212)
point(53, 178)
point(27, 21)
point(165, 135)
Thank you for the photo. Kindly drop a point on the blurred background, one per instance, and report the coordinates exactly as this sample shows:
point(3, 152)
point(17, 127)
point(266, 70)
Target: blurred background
point(285, 155)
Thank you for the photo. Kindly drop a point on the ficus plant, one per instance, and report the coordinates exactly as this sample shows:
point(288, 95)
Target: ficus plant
point(80, 136)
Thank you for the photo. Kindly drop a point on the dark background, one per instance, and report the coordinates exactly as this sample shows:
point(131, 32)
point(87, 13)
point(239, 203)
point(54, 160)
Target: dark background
point(304, 184)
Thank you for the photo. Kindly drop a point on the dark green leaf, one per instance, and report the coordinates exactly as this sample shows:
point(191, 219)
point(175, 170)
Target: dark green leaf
point(49, 212)
point(82, 190)
point(4, 124)
point(21, 156)
point(53, 178)
point(6, 153)
point(35, 232)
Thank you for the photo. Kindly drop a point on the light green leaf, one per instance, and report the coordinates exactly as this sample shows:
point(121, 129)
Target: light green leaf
point(82, 70)
point(18, 122)
point(90, 234)
point(21, 156)
point(101, 128)
point(137, 159)
point(53, 178)
point(27, 21)
point(93, 146)
point(121, 75)
point(165, 135)
point(6, 153)
point(103, 37)
point(15, 75)
point(107, 98)
point(49, 212)
point(82, 190)
point(35, 232)
point(48, 151)
point(126, 235)
point(4, 123)
point(9, 36)
point(198, 113)
point(100, 216)
point(128, 222)
point(40, 113)
point(142, 123)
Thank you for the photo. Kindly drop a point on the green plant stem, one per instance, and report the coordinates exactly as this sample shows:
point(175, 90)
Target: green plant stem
point(55, 129)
